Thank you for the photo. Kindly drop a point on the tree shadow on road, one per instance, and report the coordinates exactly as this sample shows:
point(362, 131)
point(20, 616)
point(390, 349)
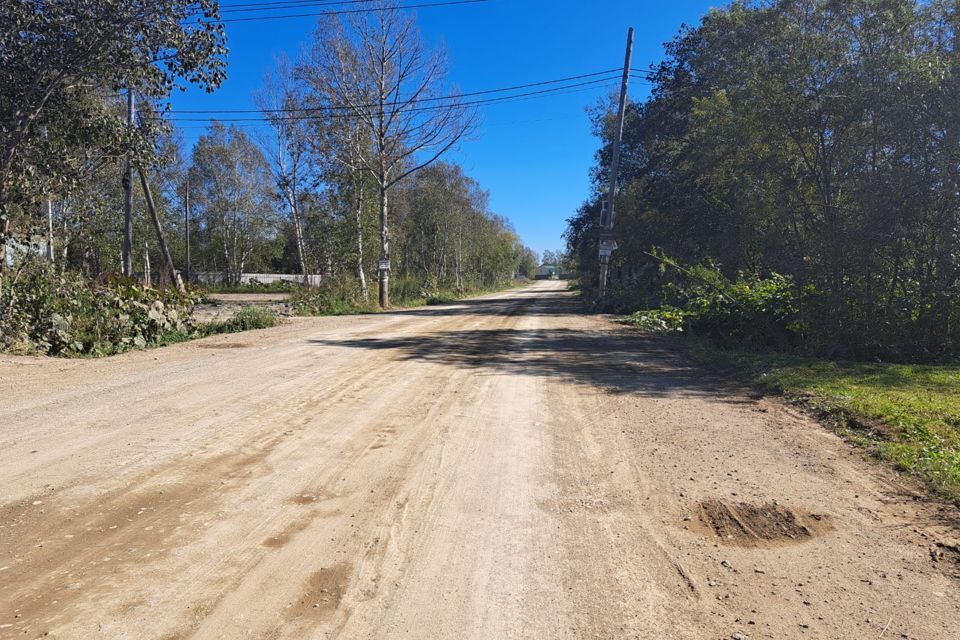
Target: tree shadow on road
point(559, 302)
point(616, 360)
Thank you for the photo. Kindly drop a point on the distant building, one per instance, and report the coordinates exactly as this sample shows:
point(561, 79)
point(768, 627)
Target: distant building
point(547, 272)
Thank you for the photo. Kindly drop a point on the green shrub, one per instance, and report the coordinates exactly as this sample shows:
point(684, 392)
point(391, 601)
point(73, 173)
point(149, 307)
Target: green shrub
point(335, 296)
point(751, 311)
point(667, 319)
point(245, 319)
point(254, 286)
point(48, 312)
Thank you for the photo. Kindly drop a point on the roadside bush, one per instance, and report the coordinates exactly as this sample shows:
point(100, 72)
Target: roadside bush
point(751, 311)
point(666, 319)
point(245, 319)
point(335, 296)
point(45, 311)
point(254, 286)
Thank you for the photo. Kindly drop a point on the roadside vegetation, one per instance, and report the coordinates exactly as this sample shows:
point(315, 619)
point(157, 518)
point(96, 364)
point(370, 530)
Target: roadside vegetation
point(253, 286)
point(776, 146)
point(46, 312)
point(340, 297)
point(788, 199)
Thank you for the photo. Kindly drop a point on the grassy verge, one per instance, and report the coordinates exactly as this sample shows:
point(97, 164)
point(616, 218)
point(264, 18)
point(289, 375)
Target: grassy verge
point(245, 319)
point(908, 415)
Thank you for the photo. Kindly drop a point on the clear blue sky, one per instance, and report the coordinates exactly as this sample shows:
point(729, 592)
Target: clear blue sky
point(533, 156)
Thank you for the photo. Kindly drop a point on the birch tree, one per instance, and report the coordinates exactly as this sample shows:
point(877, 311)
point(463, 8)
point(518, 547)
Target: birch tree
point(287, 144)
point(373, 69)
point(231, 182)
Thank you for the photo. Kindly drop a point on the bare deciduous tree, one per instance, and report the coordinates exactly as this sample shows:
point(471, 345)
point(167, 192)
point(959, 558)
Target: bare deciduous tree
point(373, 68)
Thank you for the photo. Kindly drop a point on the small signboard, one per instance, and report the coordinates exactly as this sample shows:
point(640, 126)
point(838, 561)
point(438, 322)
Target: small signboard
point(384, 265)
point(607, 247)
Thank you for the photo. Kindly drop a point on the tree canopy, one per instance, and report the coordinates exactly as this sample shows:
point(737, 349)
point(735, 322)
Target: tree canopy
point(815, 139)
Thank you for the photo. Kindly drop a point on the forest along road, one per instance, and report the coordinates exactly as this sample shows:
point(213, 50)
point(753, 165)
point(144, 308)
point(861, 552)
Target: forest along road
point(505, 467)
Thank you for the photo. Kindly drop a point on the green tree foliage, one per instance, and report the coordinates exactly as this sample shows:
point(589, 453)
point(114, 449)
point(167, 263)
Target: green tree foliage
point(233, 201)
point(60, 63)
point(305, 197)
point(450, 236)
point(815, 139)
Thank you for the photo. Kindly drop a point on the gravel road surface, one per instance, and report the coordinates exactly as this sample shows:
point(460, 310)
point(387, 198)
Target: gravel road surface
point(504, 467)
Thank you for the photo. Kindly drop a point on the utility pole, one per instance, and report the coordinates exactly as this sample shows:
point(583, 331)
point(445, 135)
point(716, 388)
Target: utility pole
point(607, 243)
point(128, 196)
point(186, 224)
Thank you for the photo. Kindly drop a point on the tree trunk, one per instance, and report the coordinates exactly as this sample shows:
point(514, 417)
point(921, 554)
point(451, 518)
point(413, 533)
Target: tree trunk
point(3, 244)
point(384, 279)
point(147, 278)
point(359, 221)
point(298, 232)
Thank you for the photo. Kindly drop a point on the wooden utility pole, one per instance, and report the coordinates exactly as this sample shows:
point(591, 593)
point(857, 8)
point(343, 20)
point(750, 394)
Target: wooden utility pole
point(607, 243)
point(186, 224)
point(127, 266)
point(161, 239)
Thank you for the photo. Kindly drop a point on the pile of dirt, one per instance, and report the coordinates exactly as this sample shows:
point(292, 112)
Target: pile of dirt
point(746, 524)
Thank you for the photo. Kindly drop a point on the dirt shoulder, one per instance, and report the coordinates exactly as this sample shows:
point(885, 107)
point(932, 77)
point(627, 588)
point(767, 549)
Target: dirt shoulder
point(498, 467)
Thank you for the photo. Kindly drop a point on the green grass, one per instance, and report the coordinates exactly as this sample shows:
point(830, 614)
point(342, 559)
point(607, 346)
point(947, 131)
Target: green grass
point(908, 415)
point(245, 319)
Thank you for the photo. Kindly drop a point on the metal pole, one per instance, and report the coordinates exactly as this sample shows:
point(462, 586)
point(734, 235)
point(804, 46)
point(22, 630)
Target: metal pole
point(607, 243)
point(127, 266)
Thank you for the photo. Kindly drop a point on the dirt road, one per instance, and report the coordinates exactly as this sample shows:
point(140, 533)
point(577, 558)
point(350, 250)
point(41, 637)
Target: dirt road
point(500, 468)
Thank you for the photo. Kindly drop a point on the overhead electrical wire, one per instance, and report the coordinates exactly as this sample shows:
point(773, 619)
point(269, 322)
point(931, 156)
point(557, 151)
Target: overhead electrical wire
point(434, 99)
point(297, 114)
point(610, 83)
point(334, 12)
point(244, 7)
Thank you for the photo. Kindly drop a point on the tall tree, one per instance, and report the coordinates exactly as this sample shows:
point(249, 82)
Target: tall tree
point(58, 61)
point(374, 68)
point(282, 101)
point(231, 190)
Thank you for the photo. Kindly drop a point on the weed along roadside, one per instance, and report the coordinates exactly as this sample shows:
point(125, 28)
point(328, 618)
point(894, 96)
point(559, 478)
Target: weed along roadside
point(66, 314)
point(343, 296)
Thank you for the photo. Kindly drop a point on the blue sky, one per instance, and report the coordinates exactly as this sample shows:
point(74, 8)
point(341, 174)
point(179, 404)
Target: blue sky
point(534, 155)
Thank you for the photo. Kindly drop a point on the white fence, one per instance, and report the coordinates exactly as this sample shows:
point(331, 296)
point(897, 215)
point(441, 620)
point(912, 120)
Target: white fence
point(210, 277)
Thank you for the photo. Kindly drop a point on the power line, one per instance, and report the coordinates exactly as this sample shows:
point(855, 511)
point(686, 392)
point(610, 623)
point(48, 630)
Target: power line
point(245, 7)
point(435, 99)
point(346, 11)
point(415, 109)
point(505, 100)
